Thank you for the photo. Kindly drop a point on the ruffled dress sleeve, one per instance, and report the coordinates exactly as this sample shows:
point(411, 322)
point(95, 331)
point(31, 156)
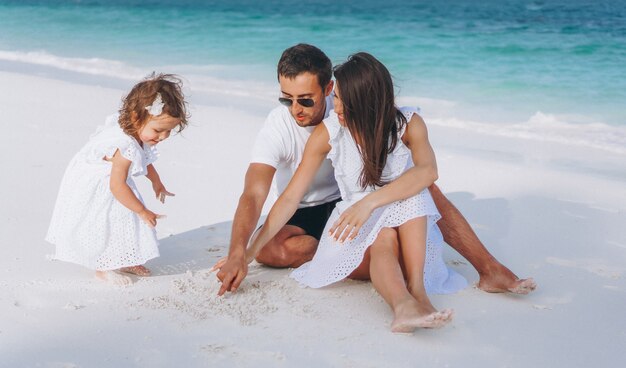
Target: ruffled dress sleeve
point(344, 156)
point(334, 131)
point(109, 138)
point(408, 112)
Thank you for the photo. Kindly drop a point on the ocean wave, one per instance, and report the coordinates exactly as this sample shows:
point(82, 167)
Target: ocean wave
point(204, 78)
point(93, 66)
point(209, 87)
point(547, 127)
point(569, 129)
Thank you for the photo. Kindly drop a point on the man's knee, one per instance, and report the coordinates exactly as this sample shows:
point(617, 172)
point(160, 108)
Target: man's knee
point(288, 251)
point(274, 254)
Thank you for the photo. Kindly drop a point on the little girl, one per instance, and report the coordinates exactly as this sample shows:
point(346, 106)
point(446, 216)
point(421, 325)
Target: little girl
point(384, 229)
point(99, 220)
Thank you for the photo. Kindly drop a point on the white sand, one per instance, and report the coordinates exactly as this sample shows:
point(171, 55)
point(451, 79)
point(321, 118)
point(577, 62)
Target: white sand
point(547, 210)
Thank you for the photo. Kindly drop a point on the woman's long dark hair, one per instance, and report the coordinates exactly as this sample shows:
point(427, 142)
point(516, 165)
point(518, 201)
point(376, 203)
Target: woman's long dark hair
point(370, 113)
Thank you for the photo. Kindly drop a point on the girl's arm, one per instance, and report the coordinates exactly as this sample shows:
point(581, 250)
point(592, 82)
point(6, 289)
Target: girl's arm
point(122, 192)
point(410, 183)
point(157, 185)
point(152, 174)
point(315, 152)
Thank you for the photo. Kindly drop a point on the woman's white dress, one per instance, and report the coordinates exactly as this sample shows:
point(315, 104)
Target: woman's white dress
point(334, 261)
point(89, 226)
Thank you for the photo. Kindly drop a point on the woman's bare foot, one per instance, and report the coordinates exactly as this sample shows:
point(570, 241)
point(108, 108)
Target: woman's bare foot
point(114, 278)
point(412, 315)
point(503, 280)
point(136, 270)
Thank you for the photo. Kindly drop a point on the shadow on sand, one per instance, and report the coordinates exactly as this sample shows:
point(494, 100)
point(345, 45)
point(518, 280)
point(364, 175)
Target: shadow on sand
point(519, 232)
point(193, 250)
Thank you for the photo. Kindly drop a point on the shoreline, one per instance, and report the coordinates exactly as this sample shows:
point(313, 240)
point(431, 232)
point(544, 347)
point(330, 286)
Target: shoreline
point(581, 132)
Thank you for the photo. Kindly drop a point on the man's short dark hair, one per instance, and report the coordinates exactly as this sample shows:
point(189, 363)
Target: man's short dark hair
point(303, 58)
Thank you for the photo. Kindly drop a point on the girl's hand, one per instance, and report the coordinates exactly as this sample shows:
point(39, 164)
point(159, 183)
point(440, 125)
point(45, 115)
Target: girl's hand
point(149, 217)
point(349, 223)
point(160, 191)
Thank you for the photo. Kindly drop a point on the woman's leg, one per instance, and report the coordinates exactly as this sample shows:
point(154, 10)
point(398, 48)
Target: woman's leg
point(412, 238)
point(388, 280)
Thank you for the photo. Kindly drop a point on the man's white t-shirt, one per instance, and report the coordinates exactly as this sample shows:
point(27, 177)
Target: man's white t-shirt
point(280, 144)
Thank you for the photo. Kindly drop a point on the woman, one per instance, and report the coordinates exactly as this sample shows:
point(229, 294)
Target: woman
point(385, 227)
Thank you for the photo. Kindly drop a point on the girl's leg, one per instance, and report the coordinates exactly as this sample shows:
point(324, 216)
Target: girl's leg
point(113, 277)
point(388, 280)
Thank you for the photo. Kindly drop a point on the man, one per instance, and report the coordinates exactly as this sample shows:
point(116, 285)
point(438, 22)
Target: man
point(304, 75)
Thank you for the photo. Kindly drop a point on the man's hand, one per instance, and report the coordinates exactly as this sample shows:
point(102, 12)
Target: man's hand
point(231, 272)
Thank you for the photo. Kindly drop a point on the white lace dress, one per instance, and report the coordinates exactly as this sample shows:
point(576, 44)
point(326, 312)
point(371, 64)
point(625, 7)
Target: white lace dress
point(89, 226)
point(334, 261)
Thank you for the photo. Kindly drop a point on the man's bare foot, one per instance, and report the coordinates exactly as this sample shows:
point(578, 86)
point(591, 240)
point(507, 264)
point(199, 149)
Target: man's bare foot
point(114, 278)
point(136, 270)
point(411, 316)
point(524, 286)
point(503, 280)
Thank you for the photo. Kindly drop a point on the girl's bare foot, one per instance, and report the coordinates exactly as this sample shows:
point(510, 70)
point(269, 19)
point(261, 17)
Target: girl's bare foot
point(136, 270)
point(114, 278)
point(411, 315)
point(503, 280)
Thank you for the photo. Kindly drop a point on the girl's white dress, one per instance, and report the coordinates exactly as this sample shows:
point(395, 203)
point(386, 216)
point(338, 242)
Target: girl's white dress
point(89, 226)
point(334, 261)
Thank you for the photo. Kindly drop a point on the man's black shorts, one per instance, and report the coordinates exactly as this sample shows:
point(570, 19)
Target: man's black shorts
point(313, 219)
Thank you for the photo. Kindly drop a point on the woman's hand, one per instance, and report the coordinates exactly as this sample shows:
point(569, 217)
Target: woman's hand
point(350, 221)
point(160, 191)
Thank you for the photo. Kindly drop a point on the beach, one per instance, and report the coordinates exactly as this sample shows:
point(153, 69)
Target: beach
point(561, 225)
point(524, 109)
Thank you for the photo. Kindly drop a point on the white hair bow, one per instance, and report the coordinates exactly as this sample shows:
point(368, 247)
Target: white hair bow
point(157, 106)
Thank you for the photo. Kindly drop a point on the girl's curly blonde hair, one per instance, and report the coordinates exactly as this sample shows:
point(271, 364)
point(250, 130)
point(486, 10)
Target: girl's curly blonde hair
point(133, 113)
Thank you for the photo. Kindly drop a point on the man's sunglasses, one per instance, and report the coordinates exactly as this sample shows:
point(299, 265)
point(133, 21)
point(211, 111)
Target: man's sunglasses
point(304, 102)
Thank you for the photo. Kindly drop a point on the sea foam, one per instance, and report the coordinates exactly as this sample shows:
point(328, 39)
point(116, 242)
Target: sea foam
point(208, 86)
point(93, 66)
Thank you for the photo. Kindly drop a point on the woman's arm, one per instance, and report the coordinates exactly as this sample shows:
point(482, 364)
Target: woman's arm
point(122, 192)
point(315, 152)
point(417, 178)
point(410, 183)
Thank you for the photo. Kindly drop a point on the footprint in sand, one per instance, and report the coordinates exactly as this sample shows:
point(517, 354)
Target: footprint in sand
point(595, 266)
point(261, 357)
point(617, 244)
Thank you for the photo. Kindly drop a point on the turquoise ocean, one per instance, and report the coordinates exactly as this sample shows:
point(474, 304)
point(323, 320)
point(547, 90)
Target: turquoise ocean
point(549, 70)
